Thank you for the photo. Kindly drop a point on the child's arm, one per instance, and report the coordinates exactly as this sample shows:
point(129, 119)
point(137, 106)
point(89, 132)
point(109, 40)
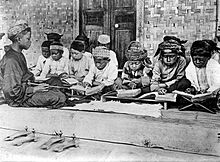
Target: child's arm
point(124, 76)
point(156, 77)
point(112, 75)
point(180, 72)
point(90, 76)
point(46, 68)
point(66, 67)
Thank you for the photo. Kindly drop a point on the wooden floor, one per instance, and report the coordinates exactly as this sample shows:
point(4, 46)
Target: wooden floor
point(183, 135)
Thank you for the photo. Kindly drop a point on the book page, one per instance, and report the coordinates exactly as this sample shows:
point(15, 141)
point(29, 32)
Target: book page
point(71, 81)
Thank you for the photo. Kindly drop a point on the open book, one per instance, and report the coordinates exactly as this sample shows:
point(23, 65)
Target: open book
point(128, 93)
point(70, 81)
point(87, 91)
point(195, 97)
point(171, 97)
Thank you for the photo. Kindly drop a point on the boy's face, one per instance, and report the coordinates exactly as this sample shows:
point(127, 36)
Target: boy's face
point(134, 65)
point(45, 51)
point(25, 41)
point(200, 61)
point(101, 62)
point(76, 55)
point(55, 54)
point(169, 59)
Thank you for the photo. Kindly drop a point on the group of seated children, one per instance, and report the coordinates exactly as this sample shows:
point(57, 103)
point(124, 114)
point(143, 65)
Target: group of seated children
point(171, 69)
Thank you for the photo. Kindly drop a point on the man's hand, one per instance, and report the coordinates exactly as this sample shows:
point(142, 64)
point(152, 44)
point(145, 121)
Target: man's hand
point(162, 91)
point(41, 87)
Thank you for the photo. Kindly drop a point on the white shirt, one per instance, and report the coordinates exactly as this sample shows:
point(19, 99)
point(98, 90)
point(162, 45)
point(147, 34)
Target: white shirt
point(113, 58)
point(80, 68)
point(55, 67)
point(40, 65)
point(66, 53)
point(106, 76)
point(212, 72)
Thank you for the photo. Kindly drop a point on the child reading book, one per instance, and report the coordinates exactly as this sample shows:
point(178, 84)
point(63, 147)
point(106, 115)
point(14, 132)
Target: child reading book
point(79, 64)
point(103, 74)
point(56, 65)
point(136, 73)
point(45, 48)
point(169, 71)
point(204, 71)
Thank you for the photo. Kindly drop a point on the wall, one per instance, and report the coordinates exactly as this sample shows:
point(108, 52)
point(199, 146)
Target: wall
point(187, 19)
point(43, 16)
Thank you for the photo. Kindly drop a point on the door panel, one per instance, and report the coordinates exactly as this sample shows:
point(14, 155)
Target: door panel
point(116, 18)
point(123, 38)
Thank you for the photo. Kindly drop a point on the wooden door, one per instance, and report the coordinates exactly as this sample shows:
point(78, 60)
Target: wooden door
point(124, 27)
point(116, 18)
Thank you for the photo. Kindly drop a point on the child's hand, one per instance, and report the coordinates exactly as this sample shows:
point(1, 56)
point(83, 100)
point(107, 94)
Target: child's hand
point(191, 90)
point(132, 85)
point(136, 81)
point(162, 91)
point(86, 84)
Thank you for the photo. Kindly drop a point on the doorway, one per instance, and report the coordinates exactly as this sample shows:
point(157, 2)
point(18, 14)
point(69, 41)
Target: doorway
point(116, 18)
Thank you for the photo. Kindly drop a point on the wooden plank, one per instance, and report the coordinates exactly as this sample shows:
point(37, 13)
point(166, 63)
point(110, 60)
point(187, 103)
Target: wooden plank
point(168, 133)
point(90, 151)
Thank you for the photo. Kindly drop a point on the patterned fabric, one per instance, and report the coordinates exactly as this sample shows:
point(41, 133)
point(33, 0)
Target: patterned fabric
point(55, 67)
point(135, 52)
point(17, 28)
point(173, 43)
point(113, 58)
point(129, 75)
point(100, 52)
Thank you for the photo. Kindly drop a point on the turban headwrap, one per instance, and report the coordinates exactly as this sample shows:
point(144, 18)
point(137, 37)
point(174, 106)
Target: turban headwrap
point(56, 46)
point(135, 52)
point(17, 28)
point(173, 43)
point(101, 52)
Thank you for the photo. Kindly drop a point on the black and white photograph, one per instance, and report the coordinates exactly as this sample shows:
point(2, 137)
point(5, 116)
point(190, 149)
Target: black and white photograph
point(109, 80)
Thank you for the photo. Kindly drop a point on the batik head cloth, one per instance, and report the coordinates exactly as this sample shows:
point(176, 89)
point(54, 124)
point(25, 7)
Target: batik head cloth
point(172, 43)
point(17, 28)
point(101, 52)
point(135, 52)
point(56, 46)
